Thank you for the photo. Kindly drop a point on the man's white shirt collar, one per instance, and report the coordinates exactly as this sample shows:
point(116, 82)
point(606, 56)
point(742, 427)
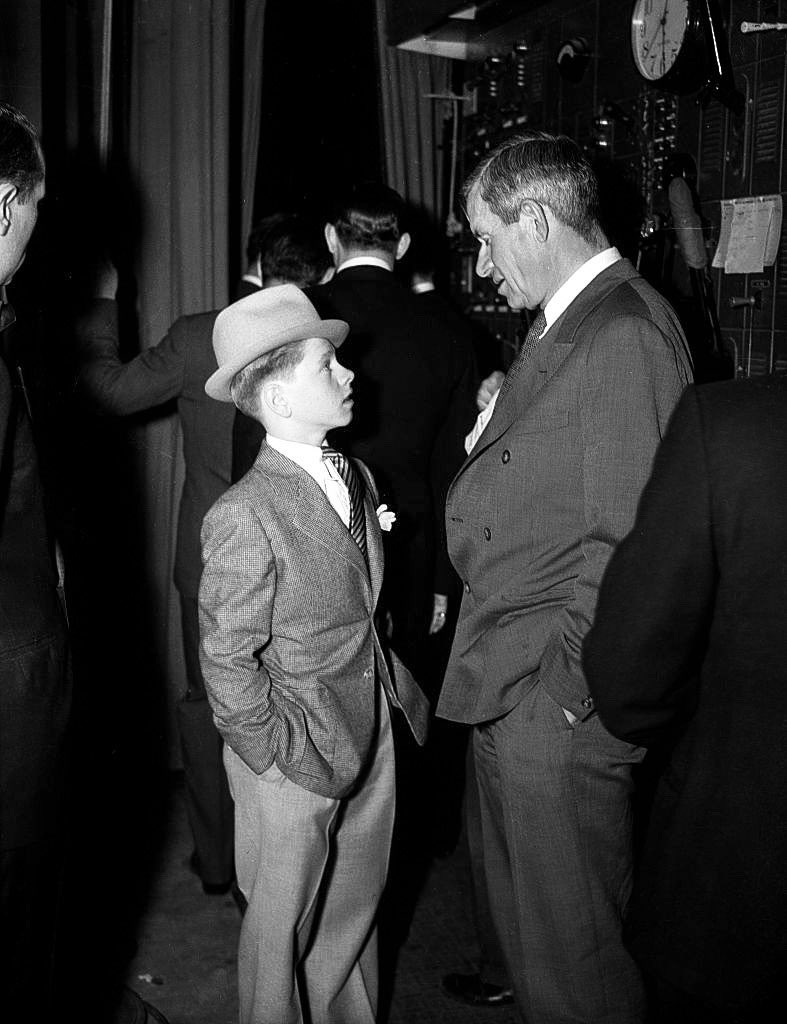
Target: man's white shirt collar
point(363, 261)
point(577, 283)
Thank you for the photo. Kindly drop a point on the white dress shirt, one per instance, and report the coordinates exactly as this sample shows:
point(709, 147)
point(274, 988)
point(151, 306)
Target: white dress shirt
point(309, 457)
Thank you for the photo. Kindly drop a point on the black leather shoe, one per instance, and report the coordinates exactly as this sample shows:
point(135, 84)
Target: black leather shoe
point(470, 989)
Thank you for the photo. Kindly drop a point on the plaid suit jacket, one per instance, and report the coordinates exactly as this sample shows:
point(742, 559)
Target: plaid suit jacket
point(289, 649)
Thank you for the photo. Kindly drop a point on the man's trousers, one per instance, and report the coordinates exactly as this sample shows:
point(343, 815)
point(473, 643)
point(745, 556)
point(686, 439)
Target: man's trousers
point(556, 820)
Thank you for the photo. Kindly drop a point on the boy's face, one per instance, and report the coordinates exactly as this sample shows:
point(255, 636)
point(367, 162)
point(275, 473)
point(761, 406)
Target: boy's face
point(319, 392)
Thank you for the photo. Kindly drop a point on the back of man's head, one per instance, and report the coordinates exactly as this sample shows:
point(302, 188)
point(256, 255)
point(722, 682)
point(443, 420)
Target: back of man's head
point(368, 217)
point(21, 159)
point(550, 169)
point(255, 246)
point(294, 252)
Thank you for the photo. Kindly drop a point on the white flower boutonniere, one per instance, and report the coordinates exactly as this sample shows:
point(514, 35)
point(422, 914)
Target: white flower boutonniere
point(387, 518)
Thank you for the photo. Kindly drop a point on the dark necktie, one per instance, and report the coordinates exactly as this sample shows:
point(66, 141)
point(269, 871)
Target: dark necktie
point(355, 491)
point(529, 345)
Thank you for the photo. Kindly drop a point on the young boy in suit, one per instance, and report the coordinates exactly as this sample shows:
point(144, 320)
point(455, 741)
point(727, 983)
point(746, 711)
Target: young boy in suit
point(295, 673)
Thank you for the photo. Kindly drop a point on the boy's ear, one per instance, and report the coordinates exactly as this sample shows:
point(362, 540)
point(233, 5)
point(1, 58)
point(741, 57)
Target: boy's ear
point(274, 399)
point(8, 193)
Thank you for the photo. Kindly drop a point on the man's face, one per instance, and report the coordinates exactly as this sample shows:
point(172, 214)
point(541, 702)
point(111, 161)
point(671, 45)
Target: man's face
point(506, 254)
point(17, 220)
point(319, 391)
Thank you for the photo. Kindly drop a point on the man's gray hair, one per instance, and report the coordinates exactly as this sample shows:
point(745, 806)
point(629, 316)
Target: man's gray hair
point(548, 168)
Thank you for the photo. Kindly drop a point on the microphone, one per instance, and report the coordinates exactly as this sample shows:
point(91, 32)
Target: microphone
point(688, 226)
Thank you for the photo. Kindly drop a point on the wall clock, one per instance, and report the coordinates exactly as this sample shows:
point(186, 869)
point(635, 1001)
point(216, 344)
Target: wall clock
point(681, 46)
point(668, 44)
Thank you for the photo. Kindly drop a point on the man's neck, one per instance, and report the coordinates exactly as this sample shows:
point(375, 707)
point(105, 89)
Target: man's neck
point(568, 252)
point(364, 257)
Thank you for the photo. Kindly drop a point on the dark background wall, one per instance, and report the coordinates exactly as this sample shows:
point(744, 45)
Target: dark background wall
point(639, 136)
point(320, 119)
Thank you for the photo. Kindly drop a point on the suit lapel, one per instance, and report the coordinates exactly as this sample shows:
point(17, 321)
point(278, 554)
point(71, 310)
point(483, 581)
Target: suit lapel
point(302, 500)
point(555, 345)
point(374, 537)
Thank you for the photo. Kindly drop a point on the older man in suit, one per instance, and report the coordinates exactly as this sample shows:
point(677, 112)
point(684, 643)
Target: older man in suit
point(177, 367)
point(688, 655)
point(533, 515)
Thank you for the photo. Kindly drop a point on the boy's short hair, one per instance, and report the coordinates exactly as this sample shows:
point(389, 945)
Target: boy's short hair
point(279, 362)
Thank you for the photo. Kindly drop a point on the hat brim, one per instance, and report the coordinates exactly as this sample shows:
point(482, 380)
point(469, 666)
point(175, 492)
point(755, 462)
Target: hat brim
point(218, 384)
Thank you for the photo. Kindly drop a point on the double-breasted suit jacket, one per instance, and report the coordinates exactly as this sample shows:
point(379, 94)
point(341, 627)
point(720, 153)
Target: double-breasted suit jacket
point(289, 649)
point(550, 487)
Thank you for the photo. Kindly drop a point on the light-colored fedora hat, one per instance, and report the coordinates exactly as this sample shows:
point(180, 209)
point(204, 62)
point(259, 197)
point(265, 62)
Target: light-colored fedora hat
point(260, 323)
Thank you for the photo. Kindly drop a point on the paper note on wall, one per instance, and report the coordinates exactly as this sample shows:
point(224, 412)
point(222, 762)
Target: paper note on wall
point(749, 234)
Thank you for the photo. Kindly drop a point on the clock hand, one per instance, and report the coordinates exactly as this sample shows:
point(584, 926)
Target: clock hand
point(664, 41)
point(652, 40)
point(646, 49)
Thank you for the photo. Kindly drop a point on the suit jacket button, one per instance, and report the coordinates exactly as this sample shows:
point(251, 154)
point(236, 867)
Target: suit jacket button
point(505, 456)
point(487, 533)
point(587, 703)
point(467, 587)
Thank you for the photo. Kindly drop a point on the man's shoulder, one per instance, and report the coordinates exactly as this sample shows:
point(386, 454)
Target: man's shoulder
point(191, 335)
point(363, 280)
point(620, 293)
point(622, 288)
point(750, 406)
point(196, 324)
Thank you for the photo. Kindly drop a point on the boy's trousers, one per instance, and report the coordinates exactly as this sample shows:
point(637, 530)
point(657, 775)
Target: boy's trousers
point(313, 871)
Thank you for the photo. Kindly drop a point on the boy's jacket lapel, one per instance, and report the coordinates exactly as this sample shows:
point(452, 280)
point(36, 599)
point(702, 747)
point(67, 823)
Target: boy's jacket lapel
point(302, 501)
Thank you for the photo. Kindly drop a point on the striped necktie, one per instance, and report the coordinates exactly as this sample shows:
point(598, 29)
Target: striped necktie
point(355, 491)
point(529, 345)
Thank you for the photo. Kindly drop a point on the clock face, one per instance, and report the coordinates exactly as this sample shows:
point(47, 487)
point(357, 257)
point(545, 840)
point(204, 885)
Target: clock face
point(658, 32)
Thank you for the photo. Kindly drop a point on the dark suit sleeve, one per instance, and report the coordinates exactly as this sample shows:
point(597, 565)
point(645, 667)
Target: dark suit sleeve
point(642, 655)
point(630, 386)
point(247, 436)
point(114, 387)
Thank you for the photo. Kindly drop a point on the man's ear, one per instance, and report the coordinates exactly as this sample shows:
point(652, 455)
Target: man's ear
point(533, 216)
point(8, 194)
point(331, 240)
point(327, 276)
point(402, 245)
point(274, 399)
